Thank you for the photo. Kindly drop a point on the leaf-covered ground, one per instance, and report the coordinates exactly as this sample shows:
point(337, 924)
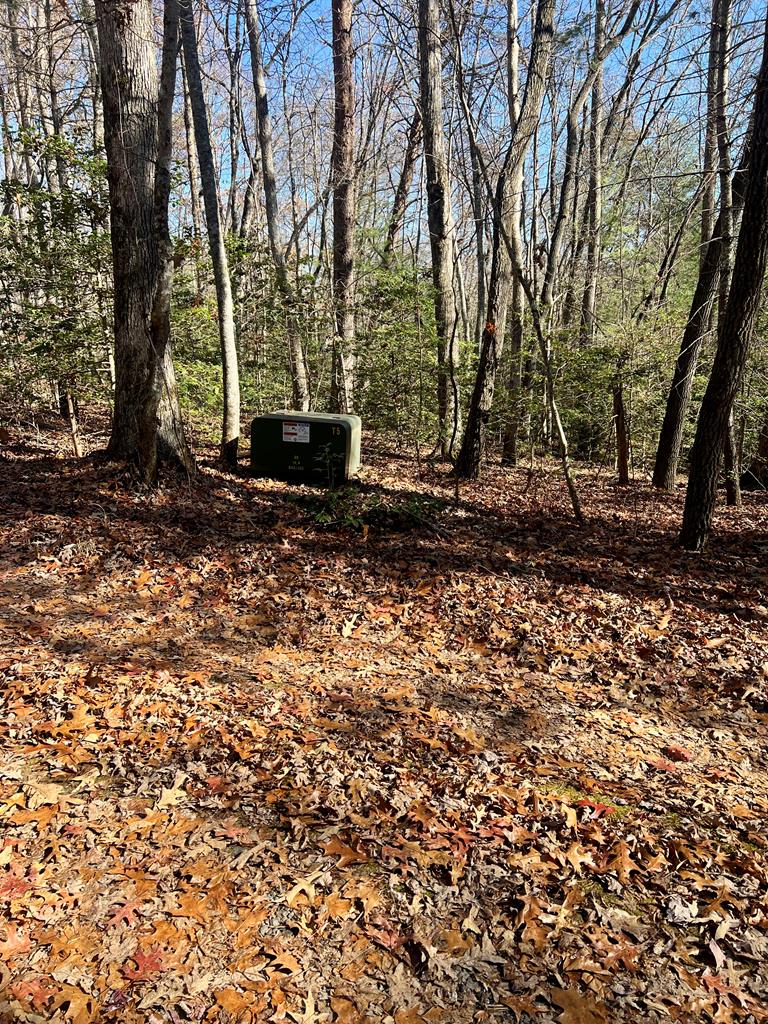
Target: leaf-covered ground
point(267, 755)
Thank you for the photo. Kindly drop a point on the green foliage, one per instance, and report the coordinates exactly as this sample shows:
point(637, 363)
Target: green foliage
point(55, 301)
point(397, 347)
point(353, 508)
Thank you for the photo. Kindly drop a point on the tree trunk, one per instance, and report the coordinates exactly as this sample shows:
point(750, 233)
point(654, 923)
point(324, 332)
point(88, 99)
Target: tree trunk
point(67, 400)
point(193, 172)
point(298, 363)
point(594, 212)
point(622, 435)
point(472, 449)
point(404, 184)
point(732, 470)
point(755, 477)
point(515, 321)
point(736, 332)
point(172, 447)
point(129, 90)
point(714, 247)
point(440, 219)
point(523, 117)
point(216, 242)
point(343, 179)
point(731, 448)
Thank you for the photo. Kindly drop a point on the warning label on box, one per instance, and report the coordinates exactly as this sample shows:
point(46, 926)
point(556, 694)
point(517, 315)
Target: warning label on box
point(295, 432)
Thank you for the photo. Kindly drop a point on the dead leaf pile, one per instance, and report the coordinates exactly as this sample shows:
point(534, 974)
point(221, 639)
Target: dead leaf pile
point(466, 764)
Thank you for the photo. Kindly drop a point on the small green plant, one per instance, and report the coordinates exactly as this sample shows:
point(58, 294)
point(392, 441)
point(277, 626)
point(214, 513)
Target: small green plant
point(353, 509)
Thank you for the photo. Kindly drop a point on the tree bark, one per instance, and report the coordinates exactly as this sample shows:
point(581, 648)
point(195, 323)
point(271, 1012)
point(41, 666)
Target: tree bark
point(736, 331)
point(172, 446)
point(731, 448)
point(731, 464)
point(440, 220)
point(298, 362)
point(216, 242)
point(622, 435)
point(344, 184)
point(193, 173)
point(129, 91)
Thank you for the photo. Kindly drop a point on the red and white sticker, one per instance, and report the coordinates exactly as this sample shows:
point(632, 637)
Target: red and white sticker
point(295, 432)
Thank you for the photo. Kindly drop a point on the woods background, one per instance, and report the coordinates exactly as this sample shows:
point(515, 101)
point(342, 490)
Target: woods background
point(467, 223)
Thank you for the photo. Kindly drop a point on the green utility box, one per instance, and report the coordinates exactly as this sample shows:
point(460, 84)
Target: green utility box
point(306, 447)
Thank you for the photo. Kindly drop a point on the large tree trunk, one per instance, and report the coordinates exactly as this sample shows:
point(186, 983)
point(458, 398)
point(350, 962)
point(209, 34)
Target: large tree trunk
point(440, 219)
point(343, 179)
point(736, 332)
point(298, 363)
point(216, 242)
point(129, 87)
point(696, 329)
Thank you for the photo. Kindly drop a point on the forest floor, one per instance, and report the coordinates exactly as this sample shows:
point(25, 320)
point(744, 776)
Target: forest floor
point(268, 754)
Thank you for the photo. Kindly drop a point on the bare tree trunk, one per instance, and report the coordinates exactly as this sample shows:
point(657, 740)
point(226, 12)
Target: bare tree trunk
point(74, 423)
point(129, 90)
point(298, 363)
point(713, 245)
point(731, 449)
point(710, 137)
point(595, 196)
point(523, 120)
point(172, 444)
point(515, 323)
point(736, 332)
point(440, 219)
point(193, 172)
point(621, 426)
point(406, 180)
point(344, 184)
point(731, 465)
point(515, 317)
point(231, 381)
point(696, 328)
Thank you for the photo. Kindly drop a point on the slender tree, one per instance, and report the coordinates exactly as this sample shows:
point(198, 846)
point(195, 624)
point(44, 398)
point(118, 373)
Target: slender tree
point(216, 241)
point(343, 178)
point(298, 362)
point(736, 331)
point(440, 219)
point(405, 181)
point(594, 211)
point(714, 246)
point(524, 122)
